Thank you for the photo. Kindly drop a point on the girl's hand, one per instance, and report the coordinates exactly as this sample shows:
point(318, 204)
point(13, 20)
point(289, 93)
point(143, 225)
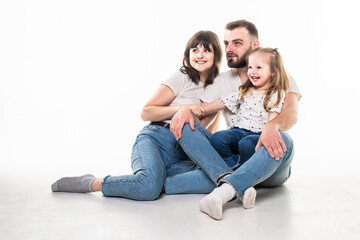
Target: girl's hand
point(198, 111)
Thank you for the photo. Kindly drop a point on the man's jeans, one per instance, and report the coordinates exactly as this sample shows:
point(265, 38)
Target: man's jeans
point(259, 170)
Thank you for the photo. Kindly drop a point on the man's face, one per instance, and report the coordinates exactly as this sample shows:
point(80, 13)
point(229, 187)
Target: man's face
point(237, 46)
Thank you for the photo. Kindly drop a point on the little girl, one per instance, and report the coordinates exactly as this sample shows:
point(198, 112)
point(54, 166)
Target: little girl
point(256, 102)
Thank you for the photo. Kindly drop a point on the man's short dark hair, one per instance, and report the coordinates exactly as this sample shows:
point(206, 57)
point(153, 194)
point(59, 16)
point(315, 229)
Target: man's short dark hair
point(245, 24)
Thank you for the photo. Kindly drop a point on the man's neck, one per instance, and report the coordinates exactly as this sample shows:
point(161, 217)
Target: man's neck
point(242, 72)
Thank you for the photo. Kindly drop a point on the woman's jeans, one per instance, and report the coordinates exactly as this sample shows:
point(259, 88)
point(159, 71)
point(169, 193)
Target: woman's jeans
point(155, 155)
point(259, 170)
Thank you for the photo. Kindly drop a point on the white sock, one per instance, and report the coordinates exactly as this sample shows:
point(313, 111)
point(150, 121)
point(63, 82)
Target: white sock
point(248, 199)
point(213, 202)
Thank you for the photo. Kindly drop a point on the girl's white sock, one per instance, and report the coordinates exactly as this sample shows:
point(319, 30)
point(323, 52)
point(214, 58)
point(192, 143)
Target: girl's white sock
point(213, 202)
point(248, 199)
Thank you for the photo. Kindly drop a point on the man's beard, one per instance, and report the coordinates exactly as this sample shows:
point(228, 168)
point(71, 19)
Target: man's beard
point(241, 62)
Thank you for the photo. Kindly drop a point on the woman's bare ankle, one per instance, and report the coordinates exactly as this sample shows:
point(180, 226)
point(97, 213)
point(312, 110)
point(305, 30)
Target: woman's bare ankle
point(97, 184)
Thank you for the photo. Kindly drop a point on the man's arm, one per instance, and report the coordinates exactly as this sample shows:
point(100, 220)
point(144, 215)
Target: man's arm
point(270, 137)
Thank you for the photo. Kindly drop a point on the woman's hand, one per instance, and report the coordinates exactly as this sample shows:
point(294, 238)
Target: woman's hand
point(183, 116)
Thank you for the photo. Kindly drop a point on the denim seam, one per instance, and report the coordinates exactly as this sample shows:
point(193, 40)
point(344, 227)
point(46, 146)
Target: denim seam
point(139, 177)
point(274, 168)
point(217, 176)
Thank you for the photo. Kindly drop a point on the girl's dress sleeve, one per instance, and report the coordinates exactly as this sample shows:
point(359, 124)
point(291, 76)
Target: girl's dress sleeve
point(232, 101)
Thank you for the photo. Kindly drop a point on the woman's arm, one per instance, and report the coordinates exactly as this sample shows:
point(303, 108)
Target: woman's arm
point(158, 109)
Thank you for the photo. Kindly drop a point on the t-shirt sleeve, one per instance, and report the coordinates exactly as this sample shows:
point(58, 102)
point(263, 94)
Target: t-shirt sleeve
point(176, 82)
point(211, 93)
point(232, 101)
point(293, 85)
point(273, 101)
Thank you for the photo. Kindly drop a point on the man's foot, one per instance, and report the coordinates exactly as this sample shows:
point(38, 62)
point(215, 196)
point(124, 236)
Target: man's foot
point(212, 206)
point(213, 202)
point(80, 184)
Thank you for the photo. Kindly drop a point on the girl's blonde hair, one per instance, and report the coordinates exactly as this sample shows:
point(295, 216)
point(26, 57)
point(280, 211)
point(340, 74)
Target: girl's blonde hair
point(279, 79)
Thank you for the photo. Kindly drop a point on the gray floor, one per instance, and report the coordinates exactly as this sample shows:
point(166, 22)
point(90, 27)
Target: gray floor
point(300, 209)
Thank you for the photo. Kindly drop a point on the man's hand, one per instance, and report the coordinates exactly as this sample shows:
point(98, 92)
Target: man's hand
point(271, 139)
point(183, 116)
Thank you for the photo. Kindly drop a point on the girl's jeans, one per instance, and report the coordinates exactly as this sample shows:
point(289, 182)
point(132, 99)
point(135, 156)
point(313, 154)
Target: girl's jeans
point(235, 145)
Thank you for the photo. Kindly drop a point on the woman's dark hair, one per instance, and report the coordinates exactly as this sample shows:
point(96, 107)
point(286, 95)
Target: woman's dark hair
point(206, 39)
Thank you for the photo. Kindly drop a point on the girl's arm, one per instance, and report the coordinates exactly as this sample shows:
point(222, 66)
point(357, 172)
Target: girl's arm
point(208, 109)
point(214, 106)
point(158, 109)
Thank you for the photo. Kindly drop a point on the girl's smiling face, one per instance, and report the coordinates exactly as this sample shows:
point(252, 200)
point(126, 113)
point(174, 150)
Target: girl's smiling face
point(259, 71)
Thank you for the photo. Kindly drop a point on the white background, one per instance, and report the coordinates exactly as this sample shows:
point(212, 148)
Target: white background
point(74, 76)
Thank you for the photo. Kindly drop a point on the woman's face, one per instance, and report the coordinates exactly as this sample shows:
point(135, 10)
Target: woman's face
point(202, 59)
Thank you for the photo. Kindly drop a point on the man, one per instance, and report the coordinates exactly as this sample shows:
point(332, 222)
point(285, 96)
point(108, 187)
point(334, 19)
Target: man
point(240, 37)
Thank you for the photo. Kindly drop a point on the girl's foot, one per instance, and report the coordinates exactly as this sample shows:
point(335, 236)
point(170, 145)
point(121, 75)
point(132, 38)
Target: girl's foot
point(248, 199)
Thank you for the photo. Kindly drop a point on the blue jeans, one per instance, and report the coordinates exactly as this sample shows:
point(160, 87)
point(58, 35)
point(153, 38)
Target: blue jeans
point(196, 144)
point(155, 155)
point(259, 170)
point(235, 145)
point(262, 170)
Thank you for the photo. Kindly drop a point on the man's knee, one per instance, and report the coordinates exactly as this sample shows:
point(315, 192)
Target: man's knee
point(199, 129)
point(288, 141)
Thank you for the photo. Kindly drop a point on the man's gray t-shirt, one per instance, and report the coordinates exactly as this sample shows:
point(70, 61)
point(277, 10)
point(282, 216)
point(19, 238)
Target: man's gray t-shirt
point(228, 82)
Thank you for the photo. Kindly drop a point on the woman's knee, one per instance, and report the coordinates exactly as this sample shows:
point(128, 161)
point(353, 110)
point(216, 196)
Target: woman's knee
point(151, 188)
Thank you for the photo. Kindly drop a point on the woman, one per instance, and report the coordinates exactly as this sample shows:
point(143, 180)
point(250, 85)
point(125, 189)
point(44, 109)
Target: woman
point(156, 153)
